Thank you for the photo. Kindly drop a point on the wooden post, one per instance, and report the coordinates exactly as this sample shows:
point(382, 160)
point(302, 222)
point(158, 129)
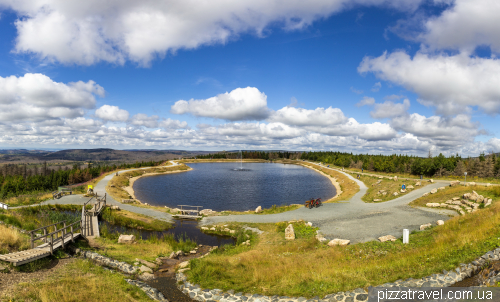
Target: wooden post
point(51, 243)
point(64, 229)
point(72, 240)
point(32, 243)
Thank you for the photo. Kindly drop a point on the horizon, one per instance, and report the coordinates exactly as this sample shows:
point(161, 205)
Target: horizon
point(370, 77)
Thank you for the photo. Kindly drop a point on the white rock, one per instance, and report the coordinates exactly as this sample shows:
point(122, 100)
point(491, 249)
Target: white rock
point(434, 191)
point(395, 193)
point(488, 185)
point(144, 268)
point(431, 180)
point(432, 205)
point(425, 194)
point(441, 188)
point(183, 264)
point(480, 198)
point(212, 229)
point(115, 208)
point(376, 200)
point(126, 239)
point(455, 183)
point(309, 224)
point(258, 209)
point(387, 238)
point(232, 231)
point(289, 232)
point(338, 241)
point(417, 184)
point(403, 191)
point(204, 228)
point(439, 222)
point(425, 226)
point(146, 277)
point(409, 187)
point(395, 178)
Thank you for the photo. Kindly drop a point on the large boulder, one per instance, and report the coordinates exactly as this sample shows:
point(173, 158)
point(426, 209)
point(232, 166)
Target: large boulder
point(126, 239)
point(395, 193)
point(146, 277)
point(183, 264)
point(439, 222)
point(409, 187)
point(395, 178)
point(387, 238)
point(425, 194)
point(338, 241)
point(425, 226)
point(145, 269)
point(431, 180)
point(474, 196)
point(258, 209)
point(417, 184)
point(146, 263)
point(433, 205)
point(116, 208)
point(441, 188)
point(455, 183)
point(434, 191)
point(289, 232)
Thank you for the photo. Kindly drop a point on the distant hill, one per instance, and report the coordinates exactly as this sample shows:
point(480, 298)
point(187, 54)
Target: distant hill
point(84, 155)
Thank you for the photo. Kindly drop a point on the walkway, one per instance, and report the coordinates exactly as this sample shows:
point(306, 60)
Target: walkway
point(354, 219)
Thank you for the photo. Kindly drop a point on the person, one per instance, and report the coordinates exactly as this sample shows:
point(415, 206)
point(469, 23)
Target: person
point(362, 170)
point(358, 176)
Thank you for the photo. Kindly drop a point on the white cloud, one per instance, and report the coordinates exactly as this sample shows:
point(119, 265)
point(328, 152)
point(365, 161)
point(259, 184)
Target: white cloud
point(112, 113)
point(142, 119)
point(455, 131)
point(304, 117)
point(240, 104)
point(450, 83)
point(389, 109)
point(356, 91)
point(366, 101)
point(463, 26)
point(173, 124)
point(373, 131)
point(86, 32)
point(36, 97)
point(376, 87)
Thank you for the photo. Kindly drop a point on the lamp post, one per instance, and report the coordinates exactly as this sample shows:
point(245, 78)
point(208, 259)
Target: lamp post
point(465, 182)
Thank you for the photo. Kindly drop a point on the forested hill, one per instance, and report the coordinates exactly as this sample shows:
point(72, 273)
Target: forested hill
point(482, 166)
point(83, 155)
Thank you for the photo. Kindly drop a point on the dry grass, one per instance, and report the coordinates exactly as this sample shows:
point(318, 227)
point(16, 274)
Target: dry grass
point(128, 252)
point(80, 281)
point(347, 186)
point(306, 268)
point(390, 186)
point(116, 184)
point(458, 191)
point(11, 240)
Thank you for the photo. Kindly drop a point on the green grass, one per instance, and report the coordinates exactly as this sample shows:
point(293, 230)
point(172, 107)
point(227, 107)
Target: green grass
point(80, 280)
point(272, 210)
point(31, 218)
point(390, 186)
point(450, 192)
point(138, 221)
point(305, 267)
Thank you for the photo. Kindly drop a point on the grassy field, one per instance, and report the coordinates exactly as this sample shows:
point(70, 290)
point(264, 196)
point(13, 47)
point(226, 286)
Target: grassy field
point(390, 186)
point(450, 192)
point(80, 280)
point(305, 267)
point(115, 185)
point(134, 220)
point(347, 186)
point(148, 249)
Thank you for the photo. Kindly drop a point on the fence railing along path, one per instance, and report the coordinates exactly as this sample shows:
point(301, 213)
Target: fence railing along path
point(187, 211)
point(60, 236)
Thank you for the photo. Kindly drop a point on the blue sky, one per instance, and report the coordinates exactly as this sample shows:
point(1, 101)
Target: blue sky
point(363, 76)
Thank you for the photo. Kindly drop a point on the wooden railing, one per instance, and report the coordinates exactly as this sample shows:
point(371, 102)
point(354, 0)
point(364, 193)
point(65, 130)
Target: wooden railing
point(185, 211)
point(63, 231)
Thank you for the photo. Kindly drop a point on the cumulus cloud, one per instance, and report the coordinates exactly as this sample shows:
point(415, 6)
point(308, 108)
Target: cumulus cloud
point(304, 117)
point(37, 97)
point(366, 101)
point(373, 131)
point(240, 104)
point(451, 83)
point(173, 124)
point(389, 109)
point(112, 113)
point(453, 131)
point(463, 26)
point(86, 32)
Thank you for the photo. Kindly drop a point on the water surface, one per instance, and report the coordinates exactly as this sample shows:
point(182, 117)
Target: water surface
point(222, 186)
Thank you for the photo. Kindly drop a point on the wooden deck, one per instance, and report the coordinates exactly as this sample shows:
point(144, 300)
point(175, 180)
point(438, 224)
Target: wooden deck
point(40, 251)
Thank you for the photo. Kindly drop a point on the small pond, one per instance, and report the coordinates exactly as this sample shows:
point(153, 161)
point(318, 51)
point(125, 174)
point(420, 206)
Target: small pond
point(225, 186)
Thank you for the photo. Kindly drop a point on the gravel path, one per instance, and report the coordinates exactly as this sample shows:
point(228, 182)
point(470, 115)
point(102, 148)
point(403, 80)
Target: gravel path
point(354, 219)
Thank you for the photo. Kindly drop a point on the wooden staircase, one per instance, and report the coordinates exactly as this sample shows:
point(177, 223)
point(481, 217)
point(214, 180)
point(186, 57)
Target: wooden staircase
point(88, 227)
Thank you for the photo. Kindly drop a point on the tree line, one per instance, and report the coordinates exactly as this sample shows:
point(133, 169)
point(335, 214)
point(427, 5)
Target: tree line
point(483, 166)
point(18, 180)
point(252, 155)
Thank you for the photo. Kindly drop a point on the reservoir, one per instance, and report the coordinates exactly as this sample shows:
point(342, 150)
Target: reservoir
point(232, 186)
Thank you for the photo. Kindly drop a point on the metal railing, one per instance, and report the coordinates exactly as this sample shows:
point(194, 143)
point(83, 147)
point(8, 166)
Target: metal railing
point(184, 211)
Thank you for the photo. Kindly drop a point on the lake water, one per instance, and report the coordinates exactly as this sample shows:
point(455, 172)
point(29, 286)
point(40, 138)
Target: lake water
point(218, 186)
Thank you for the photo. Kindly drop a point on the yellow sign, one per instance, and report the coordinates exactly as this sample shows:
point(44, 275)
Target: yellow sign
point(90, 186)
